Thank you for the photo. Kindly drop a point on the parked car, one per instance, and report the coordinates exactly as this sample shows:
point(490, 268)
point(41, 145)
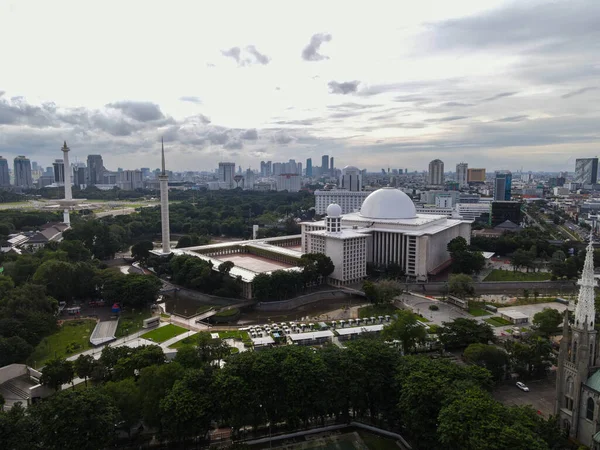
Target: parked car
point(522, 386)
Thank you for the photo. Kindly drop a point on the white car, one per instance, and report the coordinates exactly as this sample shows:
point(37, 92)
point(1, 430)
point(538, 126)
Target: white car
point(522, 386)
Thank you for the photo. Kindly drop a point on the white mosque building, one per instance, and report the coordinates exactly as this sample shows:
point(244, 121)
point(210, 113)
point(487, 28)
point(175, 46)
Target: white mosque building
point(386, 230)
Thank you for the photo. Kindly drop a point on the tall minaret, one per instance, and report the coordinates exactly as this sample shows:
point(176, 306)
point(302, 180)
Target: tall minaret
point(164, 205)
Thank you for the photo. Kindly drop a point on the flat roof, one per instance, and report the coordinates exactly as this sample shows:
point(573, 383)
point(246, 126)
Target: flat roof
point(311, 335)
point(513, 314)
point(254, 263)
point(359, 330)
point(263, 341)
point(343, 234)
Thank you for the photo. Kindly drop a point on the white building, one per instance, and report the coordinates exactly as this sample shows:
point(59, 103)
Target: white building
point(395, 234)
point(351, 179)
point(226, 174)
point(444, 201)
point(461, 174)
point(466, 211)
point(290, 182)
point(249, 180)
point(349, 201)
point(436, 173)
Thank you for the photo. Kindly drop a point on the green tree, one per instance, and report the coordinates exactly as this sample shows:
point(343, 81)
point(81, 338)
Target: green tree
point(140, 251)
point(462, 332)
point(461, 285)
point(547, 321)
point(57, 372)
point(58, 278)
point(75, 250)
point(82, 420)
point(407, 329)
point(85, 366)
point(14, 349)
point(491, 357)
point(126, 397)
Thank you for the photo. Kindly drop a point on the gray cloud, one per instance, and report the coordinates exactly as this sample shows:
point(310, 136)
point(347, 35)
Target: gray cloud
point(282, 138)
point(513, 118)
point(447, 119)
point(234, 145)
point(260, 58)
point(455, 104)
point(219, 138)
point(302, 122)
point(140, 111)
point(191, 99)
point(579, 92)
point(497, 96)
point(250, 135)
point(311, 51)
point(345, 106)
point(17, 111)
point(346, 87)
point(233, 52)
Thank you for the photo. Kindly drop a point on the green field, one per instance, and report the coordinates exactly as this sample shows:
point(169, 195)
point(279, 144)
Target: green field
point(377, 310)
point(72, 337)
point(478, 312)
point(190, 340)
point(509, 275)
point(497, 321)
point(131, 321)
point(163, 334)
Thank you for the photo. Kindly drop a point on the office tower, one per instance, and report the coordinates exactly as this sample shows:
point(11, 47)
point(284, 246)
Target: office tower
point(299, 168)
point(59, 171)
point(475, 175)
point(502, 185)
point(96, 170)
point(145, 172)
point(164, 204)
point(331, 166)
point(249, 180)
point(436, 173)
point(586, 170)
point(265, 169)
point(351, 179)
point(22, 167)
point(129, 180)
point(324, 164)
point(79, 176)
point(309, 172)
point(289, 182)
point(226, 174)
point(461, 174)
point(4, 175)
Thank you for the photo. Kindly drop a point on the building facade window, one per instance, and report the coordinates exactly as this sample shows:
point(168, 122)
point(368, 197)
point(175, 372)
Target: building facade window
point(589, 411)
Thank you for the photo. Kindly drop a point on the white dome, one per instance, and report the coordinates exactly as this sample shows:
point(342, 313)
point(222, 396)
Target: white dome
point(388, 203)
point(334, 210)
point(351, 168)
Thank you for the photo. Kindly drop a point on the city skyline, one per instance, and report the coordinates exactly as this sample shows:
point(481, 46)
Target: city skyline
point(458, 82)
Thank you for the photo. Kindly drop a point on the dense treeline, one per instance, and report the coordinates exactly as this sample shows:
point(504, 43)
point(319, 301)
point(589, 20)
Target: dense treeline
point(432, 403)
point(12, 220)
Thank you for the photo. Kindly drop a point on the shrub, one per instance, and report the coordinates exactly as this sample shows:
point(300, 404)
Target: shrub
point(434, 307)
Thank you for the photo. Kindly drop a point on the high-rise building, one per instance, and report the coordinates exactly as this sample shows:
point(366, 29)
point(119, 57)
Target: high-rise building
point(503, 185)
point(145, 172)
point(95, 170)
point(23, 172)
point(309, 172)
point(129, 180)
point(4, 175)
point(475, 175)
point(351, 179)
point(79, 176)
point(226, 174)
point(586, 170)
point(265, 169)
point(461, 174)
point(289, 182)
point(59, 171)
point(324, 164)
point(436, 173)
point(331, 166)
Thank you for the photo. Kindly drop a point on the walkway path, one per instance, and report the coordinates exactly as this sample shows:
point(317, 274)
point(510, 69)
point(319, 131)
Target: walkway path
point(165, 345)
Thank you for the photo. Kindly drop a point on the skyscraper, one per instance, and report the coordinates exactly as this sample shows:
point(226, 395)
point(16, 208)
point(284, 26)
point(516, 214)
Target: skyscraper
point(59, 171)
point(475, 175)
point(436, 172)
point(95, 168)
point(331, 166)
point(324, 164)
point(351, 179)
point(4, 175)
point(502, 185)
point(461, 174)
point(586, 170)
point(226, 174)
point(23, 172)
point(309, 172)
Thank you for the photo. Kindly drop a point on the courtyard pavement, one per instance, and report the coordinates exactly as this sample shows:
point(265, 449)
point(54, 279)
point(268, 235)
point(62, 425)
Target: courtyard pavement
point(541, 395)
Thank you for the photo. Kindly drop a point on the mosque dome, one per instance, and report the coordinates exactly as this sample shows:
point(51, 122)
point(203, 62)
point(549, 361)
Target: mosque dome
point(352, 168)
point(388, 203)
point(334, 210)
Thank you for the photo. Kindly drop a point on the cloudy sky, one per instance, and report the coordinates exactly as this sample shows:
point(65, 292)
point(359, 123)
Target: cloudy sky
point(497, 84)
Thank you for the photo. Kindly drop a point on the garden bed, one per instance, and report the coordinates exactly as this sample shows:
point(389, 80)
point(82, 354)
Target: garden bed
point(497, 321)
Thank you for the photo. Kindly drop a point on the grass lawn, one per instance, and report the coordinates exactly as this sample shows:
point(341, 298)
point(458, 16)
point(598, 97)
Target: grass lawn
point(190, 340)
point(163, 334)
point(423, 319)
point(478, 312)
point(497, 321)
point(71, 338)
point(376, 310)
point(130, 322)
point(509, 275)
point(235, 334)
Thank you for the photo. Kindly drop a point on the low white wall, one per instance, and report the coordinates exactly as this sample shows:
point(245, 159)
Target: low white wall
point(12, 371)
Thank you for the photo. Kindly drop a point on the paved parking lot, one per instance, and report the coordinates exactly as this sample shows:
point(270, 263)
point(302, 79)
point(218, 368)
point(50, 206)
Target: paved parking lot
point(541, 395)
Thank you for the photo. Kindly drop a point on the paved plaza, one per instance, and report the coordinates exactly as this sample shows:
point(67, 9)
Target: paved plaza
point(254, 263)
point(541, 395)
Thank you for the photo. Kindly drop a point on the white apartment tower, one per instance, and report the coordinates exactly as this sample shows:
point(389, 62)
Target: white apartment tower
point(351, 179)
point(436, 173)
point(226, 174)
point(461, 174)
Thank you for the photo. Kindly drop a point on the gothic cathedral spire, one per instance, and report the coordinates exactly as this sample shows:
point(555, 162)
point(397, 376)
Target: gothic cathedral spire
point(585, 312)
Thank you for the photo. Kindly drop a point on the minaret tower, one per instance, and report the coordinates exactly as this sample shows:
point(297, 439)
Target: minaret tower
point(164, 205)
point(578, 348)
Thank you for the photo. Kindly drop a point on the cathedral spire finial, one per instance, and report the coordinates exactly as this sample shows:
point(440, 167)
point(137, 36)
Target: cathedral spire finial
point(163, 155)
point(585, 311)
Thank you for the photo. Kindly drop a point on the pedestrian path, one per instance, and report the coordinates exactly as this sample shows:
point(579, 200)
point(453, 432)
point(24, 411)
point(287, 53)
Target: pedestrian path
point(172, 341)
